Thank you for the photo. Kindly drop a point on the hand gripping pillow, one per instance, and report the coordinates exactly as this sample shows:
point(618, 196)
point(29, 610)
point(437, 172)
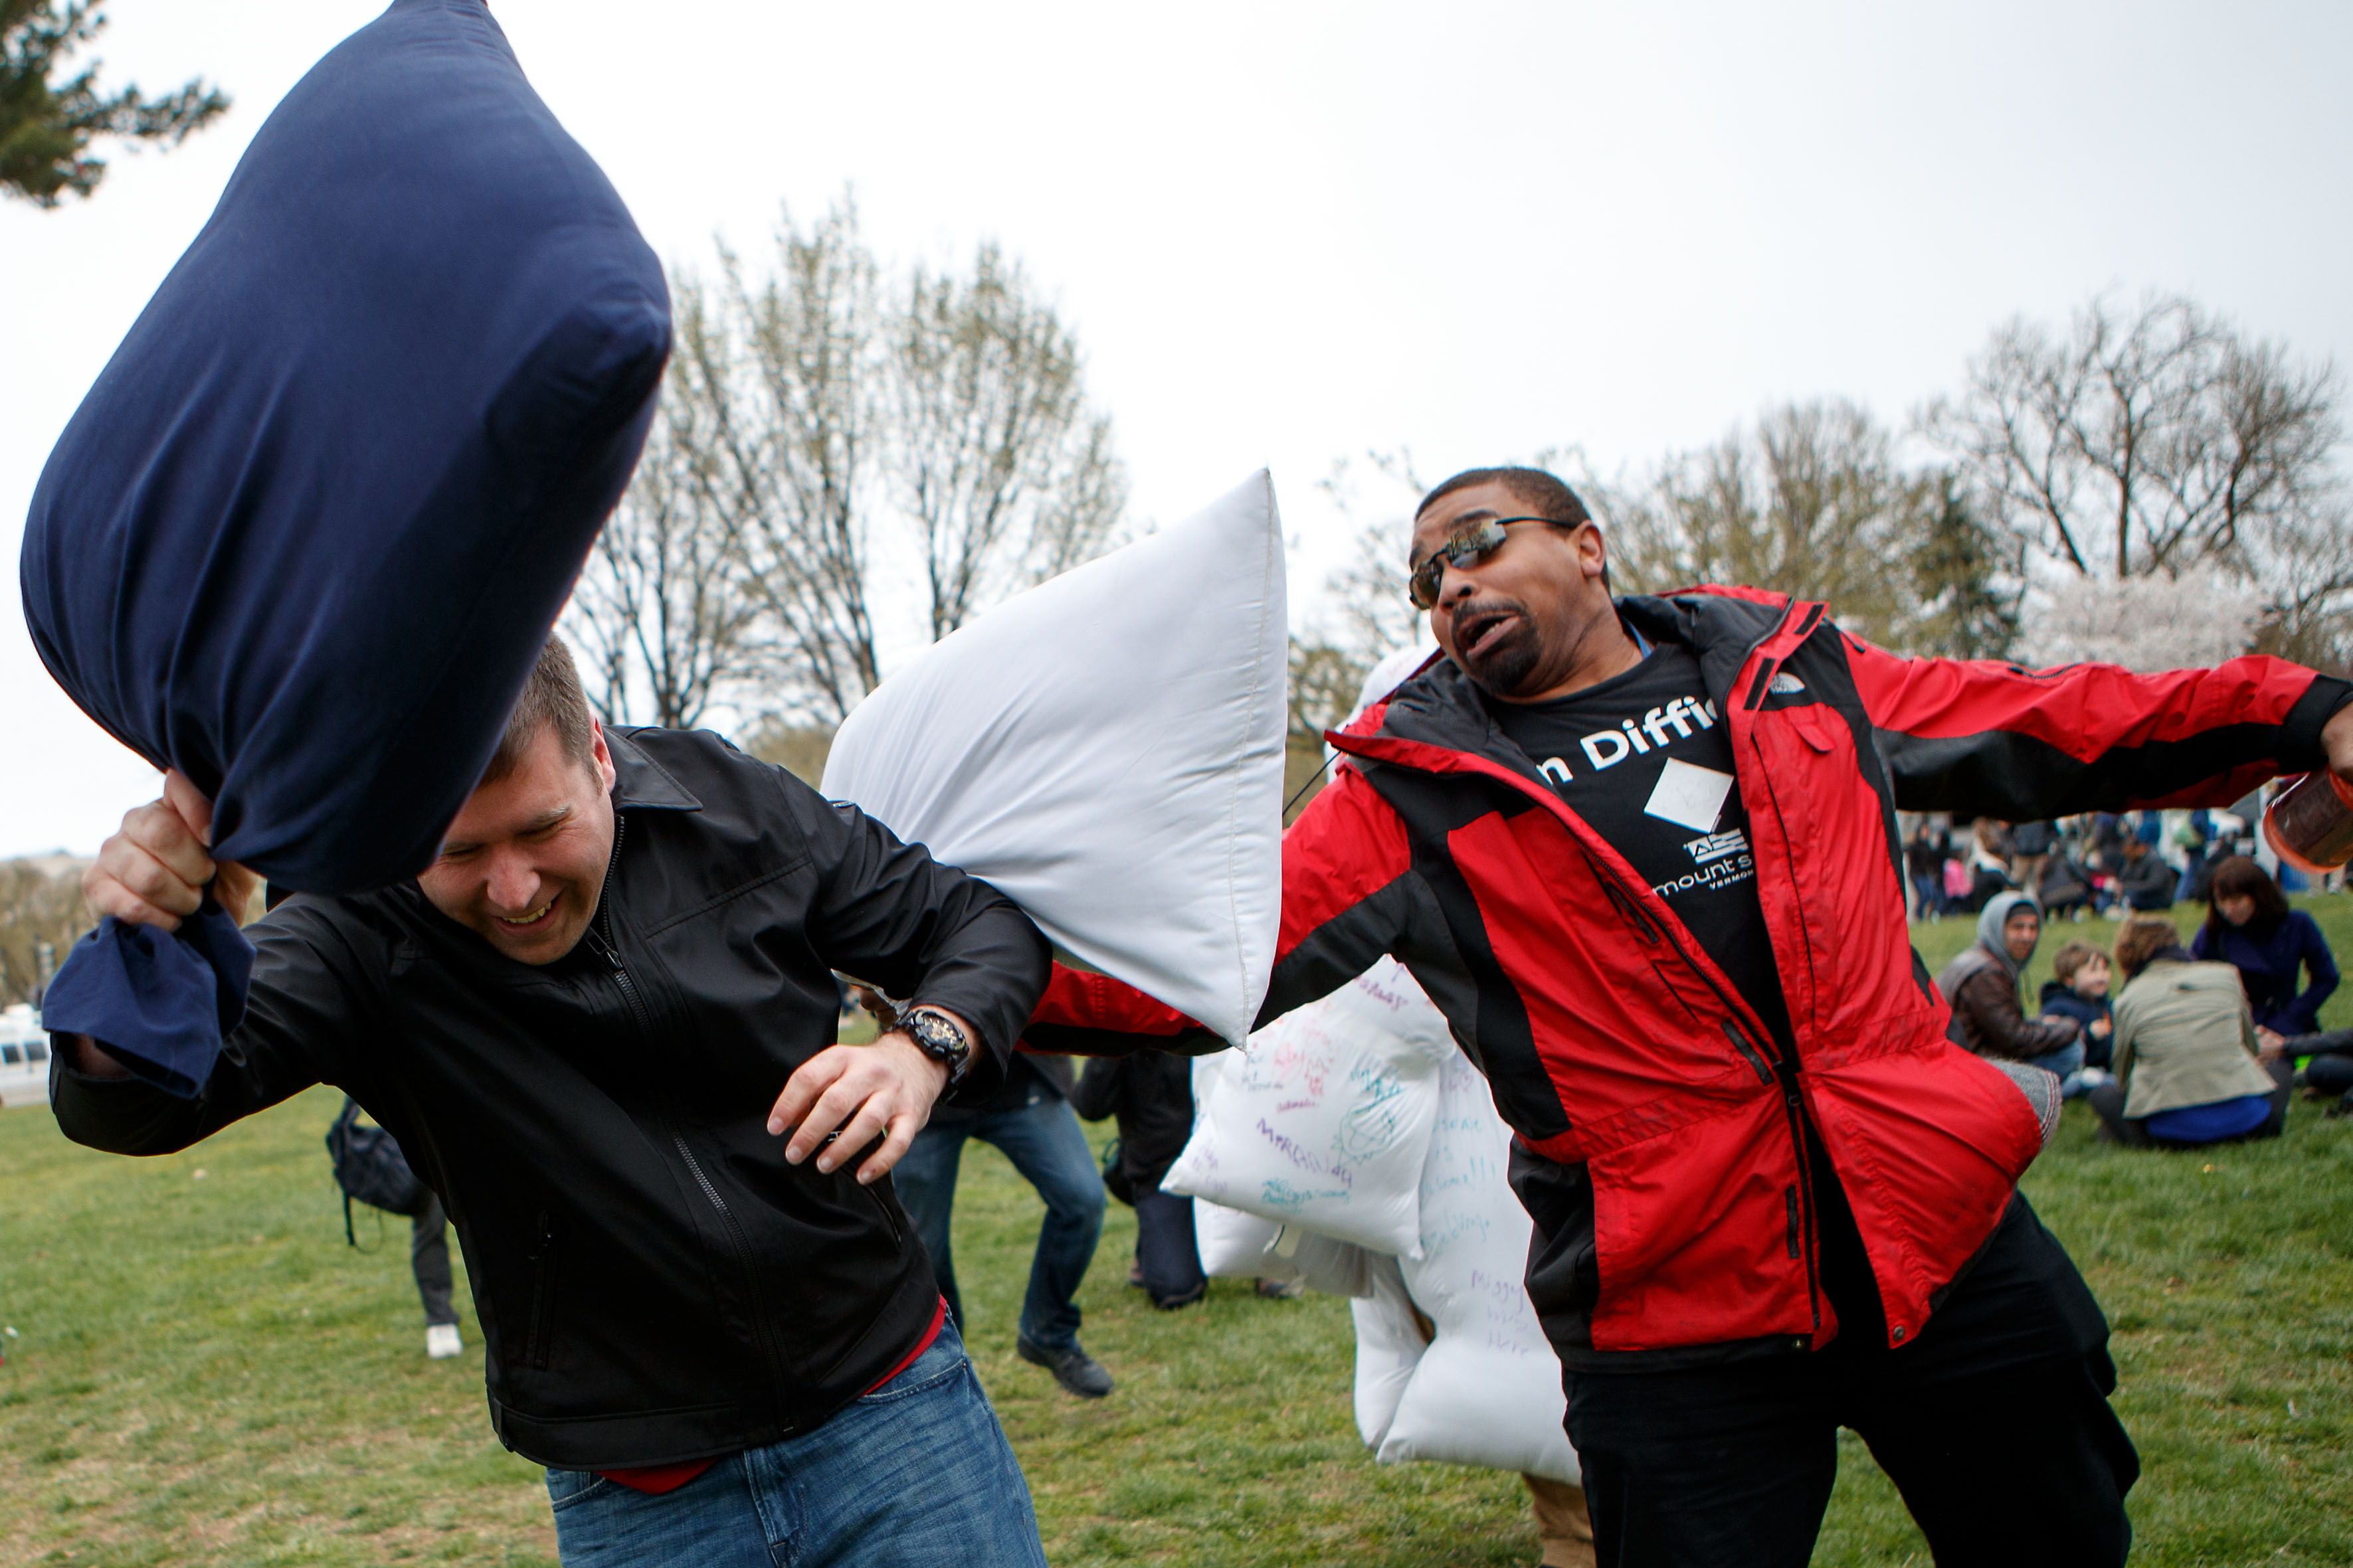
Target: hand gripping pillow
point(306, 534)
point(1323, 1123)
point(1106, 749)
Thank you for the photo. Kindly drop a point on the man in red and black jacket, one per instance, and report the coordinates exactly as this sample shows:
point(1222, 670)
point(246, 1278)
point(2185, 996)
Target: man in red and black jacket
point(1642, 854)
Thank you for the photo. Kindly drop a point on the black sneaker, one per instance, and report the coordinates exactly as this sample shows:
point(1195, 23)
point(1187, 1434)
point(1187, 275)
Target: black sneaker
point(1073, 1368)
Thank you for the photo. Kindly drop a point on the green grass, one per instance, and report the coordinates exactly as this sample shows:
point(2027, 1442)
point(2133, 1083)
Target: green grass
point(205, 1375)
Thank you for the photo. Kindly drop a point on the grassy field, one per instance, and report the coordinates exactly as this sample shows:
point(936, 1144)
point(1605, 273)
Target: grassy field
point(202, 1373)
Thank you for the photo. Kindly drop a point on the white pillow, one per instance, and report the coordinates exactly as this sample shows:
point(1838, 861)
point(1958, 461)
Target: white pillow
point(1232, 1244)
point(1389, 1347)
point(1106, 749)
point(1488, 1390)
point(1323, 1123)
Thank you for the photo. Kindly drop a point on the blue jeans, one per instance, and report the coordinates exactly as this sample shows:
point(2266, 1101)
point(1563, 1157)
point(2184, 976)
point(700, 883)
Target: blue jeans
point(1931, 889)
point(2066, 1065)
point(1046, 1144)
point(917, 1473)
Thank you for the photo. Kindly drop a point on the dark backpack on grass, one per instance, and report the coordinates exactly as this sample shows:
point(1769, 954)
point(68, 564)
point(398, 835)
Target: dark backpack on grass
point(369, 1166)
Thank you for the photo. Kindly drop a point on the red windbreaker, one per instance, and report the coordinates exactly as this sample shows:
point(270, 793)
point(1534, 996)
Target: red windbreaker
point(1672, 1198)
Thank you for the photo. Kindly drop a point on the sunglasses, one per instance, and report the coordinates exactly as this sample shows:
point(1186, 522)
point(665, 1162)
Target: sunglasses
point(1466, 546)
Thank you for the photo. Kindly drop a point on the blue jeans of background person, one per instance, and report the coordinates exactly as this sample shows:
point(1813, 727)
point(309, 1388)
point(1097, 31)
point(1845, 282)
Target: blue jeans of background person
point(2066, 1065)
point(1931, 889)
point(1046, 1144)
point(1168, 1253)
point(915, 1475)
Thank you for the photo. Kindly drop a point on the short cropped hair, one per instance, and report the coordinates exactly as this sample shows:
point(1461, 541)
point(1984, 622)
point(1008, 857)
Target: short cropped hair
point(2071, 958)
point(1540, 492)
point(2140, 938)
point(551, 696)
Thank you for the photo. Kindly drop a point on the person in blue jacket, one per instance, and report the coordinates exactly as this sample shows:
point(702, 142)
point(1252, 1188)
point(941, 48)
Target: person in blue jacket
point(2079, 991)
point(2250, 927)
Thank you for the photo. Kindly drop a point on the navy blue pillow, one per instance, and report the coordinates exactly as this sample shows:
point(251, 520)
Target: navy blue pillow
point(306, 535)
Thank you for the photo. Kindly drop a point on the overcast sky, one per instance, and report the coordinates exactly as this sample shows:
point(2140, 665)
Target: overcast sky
point(1286, 234)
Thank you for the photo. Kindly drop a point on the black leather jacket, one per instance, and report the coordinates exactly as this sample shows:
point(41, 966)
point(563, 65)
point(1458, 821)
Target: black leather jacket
point(656, 1284)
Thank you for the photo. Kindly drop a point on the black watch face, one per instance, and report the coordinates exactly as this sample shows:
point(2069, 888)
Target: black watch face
point(940, 1040)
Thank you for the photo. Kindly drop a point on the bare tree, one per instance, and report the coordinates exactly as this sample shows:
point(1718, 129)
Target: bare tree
point(1811, 502)
point(813, 410)
point(1365, 614)
point(780, 395)
point(663, 614)
point(42, 914)
point(2146, 441)
point(1007, 474)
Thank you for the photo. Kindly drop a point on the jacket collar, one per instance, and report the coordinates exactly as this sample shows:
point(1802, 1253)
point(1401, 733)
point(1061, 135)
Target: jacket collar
point(1440, 706)
point(639, 780)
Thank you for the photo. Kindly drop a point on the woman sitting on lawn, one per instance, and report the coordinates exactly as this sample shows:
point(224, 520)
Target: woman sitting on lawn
point(2250, 928)
point(2186, 1066)
point(1982, 985)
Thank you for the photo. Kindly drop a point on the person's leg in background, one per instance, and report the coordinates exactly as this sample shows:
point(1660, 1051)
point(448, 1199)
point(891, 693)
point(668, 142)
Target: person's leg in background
point(1046, 1145)
point(428, 1260)
point(917, 1474)
point(925, 1177)
point(2108, 1102)
point(2331, 1074)
point(2066, 1065)
point(1563, 1532)
point(1167, 1250)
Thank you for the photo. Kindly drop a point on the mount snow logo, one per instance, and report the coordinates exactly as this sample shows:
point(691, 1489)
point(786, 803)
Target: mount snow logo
point(1718, 845)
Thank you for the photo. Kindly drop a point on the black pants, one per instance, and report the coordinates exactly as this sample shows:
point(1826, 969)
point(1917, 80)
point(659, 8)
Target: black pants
point(429, 1255)
point(1168, 1254)
point(2107, 1102)
point(2330, 1074)
point(1733, 1465)
point(1993, 1423)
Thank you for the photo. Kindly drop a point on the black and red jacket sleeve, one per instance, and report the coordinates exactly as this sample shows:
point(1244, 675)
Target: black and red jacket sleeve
point(1349, 895)
point(1990, 739)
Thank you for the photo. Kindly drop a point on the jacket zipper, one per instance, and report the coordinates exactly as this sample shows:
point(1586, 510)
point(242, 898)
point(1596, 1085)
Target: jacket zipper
point(603, 945)
point(1764, 1058)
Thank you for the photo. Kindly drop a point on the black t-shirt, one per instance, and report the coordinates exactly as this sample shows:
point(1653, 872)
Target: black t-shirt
point(1645, 758)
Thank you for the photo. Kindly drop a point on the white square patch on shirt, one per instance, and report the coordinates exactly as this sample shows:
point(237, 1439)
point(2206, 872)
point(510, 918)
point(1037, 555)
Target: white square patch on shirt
point(1693, 797)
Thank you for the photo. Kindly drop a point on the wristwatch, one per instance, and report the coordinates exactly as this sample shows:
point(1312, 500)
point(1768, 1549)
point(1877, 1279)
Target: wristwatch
point(939, 1039)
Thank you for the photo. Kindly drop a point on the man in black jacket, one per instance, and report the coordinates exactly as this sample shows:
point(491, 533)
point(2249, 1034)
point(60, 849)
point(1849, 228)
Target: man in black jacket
point(2144, 881)
point(577, 1021)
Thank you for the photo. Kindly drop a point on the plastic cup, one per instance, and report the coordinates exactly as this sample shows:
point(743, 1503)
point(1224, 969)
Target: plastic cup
point(2310, 823)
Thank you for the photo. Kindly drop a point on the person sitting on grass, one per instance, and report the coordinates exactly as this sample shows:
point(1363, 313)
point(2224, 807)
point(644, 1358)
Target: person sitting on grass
point(2250, 927)
point(2143, 880)
point(2187, 1073)
point(2330, 1068)
point(1982, 984)
point(706, 1311)
point(2078, 991)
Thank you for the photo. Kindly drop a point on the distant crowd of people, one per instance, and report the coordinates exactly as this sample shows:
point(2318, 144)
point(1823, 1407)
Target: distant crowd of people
point(2203, 1045)
point(2095, 864)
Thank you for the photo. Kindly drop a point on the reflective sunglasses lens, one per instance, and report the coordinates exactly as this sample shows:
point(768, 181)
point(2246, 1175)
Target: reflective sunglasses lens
point(1466, 547)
